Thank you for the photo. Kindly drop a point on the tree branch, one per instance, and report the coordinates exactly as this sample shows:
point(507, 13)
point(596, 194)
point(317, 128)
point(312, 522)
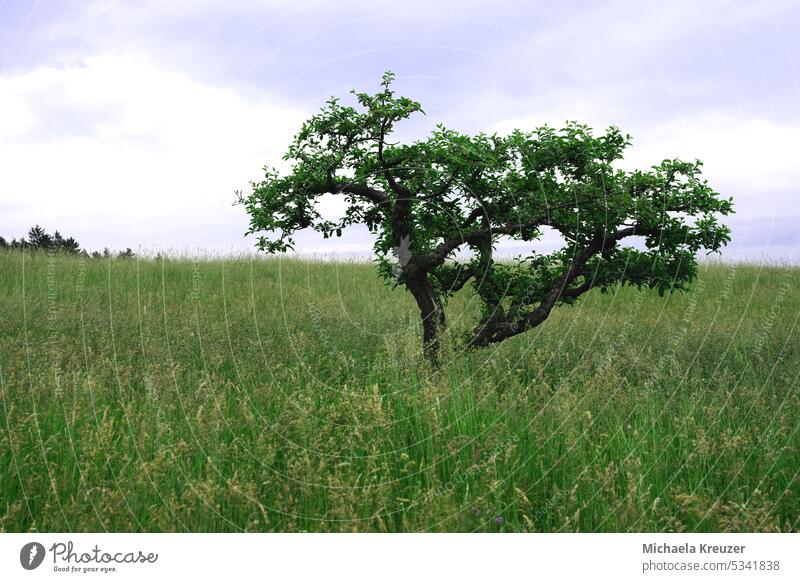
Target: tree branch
point(398, 188)
point(374, 195)
point(439, 254)
point(513, 325)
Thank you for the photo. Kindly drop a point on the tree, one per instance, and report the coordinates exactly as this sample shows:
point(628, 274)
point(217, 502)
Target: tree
point(430, 201)
point(38, 238)
point(69, 245)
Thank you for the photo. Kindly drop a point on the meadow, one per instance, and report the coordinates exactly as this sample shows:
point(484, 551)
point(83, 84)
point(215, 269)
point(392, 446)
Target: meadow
point(247, 394)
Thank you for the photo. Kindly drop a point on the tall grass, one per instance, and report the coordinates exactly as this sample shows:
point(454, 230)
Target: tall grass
point(279, 395)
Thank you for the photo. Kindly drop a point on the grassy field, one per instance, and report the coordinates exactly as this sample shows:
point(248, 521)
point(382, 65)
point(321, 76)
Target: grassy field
point(276, 395)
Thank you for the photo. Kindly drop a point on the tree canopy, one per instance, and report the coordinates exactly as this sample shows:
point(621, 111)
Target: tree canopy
point(438, 206)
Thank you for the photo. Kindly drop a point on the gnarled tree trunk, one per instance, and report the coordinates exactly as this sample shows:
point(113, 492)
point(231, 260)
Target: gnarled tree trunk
point(432, 311)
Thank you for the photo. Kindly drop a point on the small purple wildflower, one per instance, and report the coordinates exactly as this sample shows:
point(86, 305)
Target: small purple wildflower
point(499, 520)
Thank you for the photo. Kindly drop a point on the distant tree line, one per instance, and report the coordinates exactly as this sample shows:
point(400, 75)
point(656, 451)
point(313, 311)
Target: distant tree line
point(39, 240)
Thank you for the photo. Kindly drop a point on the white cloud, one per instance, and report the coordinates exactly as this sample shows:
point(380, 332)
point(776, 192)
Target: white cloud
point(118, 140)
point(749, 156)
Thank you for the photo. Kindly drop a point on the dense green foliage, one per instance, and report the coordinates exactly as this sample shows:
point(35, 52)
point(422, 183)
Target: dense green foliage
point(270, 395)
point(429, 199)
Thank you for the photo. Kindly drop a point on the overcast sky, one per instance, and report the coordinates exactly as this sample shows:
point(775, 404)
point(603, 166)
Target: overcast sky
point(131, 123)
